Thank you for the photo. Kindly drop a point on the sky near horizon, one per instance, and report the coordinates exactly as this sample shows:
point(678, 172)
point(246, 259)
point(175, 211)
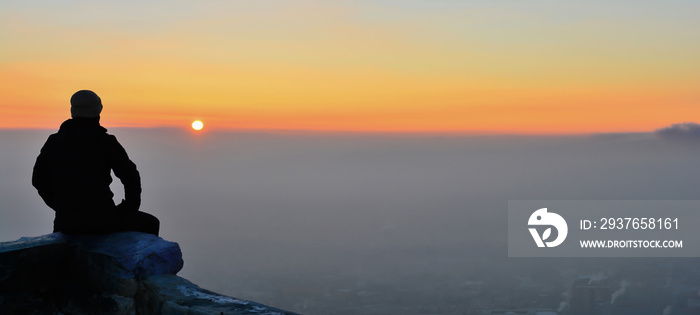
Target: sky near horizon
point(438, 66)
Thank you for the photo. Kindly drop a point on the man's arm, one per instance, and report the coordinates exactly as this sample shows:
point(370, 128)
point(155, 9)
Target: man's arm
point(41, 177)
point(126, 171)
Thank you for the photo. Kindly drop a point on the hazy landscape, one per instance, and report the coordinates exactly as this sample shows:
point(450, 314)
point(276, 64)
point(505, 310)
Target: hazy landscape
point(359, 223)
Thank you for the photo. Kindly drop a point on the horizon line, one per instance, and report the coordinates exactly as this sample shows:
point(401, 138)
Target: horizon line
point(355, 131)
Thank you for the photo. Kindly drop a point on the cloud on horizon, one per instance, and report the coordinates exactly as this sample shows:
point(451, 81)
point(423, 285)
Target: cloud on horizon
point(680, 131)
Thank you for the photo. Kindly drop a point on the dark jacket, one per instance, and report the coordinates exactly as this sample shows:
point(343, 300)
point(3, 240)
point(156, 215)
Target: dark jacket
point(73, 174)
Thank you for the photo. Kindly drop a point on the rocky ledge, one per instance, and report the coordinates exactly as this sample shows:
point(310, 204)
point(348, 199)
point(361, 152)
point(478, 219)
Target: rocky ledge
point(121, 273)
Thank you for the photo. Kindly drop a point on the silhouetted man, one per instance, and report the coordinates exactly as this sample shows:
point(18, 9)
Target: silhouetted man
point(73, 173)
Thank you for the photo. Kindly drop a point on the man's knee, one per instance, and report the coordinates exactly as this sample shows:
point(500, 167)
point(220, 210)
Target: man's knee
point(148, 223)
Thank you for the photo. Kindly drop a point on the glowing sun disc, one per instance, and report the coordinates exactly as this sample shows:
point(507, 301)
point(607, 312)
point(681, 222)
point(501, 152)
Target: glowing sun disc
point(197, 125)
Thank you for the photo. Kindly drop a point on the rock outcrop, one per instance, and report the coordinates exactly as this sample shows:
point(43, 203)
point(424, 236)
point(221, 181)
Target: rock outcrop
point(121, 273)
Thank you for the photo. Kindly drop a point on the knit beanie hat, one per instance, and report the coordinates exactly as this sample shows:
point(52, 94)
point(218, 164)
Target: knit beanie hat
point(85, 103)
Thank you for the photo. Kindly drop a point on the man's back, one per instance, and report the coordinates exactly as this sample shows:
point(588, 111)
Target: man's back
point(79, 172)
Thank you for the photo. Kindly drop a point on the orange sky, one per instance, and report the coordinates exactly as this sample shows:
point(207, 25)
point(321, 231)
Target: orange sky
point(479, 66)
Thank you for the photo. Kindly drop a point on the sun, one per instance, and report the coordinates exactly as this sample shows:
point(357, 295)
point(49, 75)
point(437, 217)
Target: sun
point(197, 125)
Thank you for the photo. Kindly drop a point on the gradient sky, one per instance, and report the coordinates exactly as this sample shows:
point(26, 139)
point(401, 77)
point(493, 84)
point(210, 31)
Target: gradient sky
point(438, 65)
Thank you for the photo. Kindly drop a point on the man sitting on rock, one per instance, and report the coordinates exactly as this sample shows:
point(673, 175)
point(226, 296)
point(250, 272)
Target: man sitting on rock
point(73, 174)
